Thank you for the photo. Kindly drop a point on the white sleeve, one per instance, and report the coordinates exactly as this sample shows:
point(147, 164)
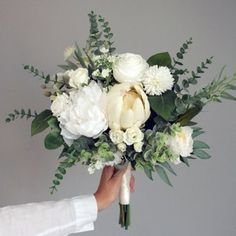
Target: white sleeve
point(49, 218)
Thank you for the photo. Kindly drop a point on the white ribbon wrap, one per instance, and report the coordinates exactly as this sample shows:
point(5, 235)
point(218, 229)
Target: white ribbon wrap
point(124, 197)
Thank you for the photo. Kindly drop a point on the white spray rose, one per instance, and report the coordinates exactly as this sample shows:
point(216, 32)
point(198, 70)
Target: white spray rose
point(182, 143)
point(116, 136)
point(78, 77)
point(129, 67)
point(86, 113)
point(122, 147)
point(138, 146)
point(127, 106)
point(133, 135)
point(60, 104)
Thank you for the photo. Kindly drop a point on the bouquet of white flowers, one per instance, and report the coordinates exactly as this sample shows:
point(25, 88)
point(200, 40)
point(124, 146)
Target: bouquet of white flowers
point(120, 109)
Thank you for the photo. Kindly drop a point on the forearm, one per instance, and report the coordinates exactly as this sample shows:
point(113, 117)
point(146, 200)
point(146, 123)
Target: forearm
point(49, 218)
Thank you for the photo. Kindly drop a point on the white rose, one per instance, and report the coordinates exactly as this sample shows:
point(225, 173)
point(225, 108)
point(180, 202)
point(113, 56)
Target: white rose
point(129, 67)
point(133, 135)
point(86, 113)
point(138, 146)
point(127, 106)
point(60, 103)
point(122, 147)
point(116, 136)
point(78, 77)
point(182, 143)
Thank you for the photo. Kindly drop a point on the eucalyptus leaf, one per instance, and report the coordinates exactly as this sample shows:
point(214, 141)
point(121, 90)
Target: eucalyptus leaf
point(40, 122)
point(163, 105)
point(168, 167)
point(201, 154)
point(53, 140)
point(148, 172)
point(188, 115)
point(162, 173)
point(184, 160)
point(200, 145)
point(160, 59)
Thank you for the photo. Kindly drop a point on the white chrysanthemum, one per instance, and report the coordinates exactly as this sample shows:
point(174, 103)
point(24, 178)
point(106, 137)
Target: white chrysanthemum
point(157, 80)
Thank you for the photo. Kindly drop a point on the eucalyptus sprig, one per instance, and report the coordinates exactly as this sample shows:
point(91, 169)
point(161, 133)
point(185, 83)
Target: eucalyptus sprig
point(217, 90)
point(20, 114)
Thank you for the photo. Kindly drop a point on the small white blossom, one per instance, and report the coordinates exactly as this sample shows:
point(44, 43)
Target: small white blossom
point(60, 103)
point(104, 50)
point(133, 135)
point(138, 146)
point(116, 136)
point(105, 73)
point(157, 80)
point(122, 147)
point(96, 73)
point(78, 77)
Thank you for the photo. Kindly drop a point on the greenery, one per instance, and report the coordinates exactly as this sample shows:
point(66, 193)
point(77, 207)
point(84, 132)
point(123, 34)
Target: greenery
point(20, 114)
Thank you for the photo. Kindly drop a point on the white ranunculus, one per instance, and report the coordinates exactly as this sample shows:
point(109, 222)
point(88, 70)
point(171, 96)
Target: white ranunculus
point(138, 146)
point(127, 106)
point(60, 104)
point(133, 135)
point(157, 80)
point(86, 113)
point(116, 136)
point(78, 77)
point(182, 143)
point(129, 67)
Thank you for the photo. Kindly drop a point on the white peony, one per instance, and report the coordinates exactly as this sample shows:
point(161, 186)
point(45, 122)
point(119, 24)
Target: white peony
point(182, 143)
point(157, 80)
point(86, 113)
point(133, 135)
point(60, 104)
point(127, 106)
point(129, 67)
point(116, 136)
point(78, 78)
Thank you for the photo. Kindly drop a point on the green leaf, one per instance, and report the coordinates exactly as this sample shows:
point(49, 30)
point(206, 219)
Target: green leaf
point(167, 166)
point(160, 59)
point(184, 160)
point(148, 172)
point(201, 154)
point(228, 96)
point(53, 140)
point(162, 173)
point(56, 182)
point(188, 115)
point(200, 145)
point(163, 105)
point(40, 122)
point(62, 170)
point(54, 124)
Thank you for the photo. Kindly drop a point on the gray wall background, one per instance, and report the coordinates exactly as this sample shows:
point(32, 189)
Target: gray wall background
point(203, 199)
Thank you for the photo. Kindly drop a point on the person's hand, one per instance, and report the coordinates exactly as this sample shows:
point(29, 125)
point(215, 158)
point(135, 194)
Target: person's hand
point(109, 187)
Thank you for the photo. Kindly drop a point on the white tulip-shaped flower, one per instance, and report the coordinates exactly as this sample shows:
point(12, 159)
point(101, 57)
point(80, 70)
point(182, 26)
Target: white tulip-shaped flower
point(127, 106)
